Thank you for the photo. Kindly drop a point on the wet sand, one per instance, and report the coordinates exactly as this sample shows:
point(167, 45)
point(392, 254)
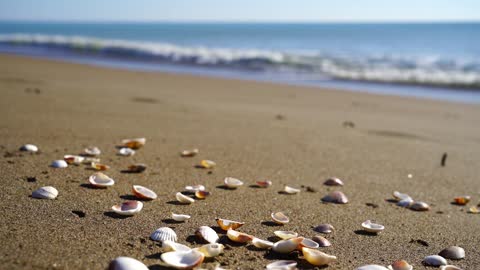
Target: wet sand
point(289, 135)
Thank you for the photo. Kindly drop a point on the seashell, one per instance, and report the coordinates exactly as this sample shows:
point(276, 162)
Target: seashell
point(183, 198)
point(137, 168)
point(92, 151)
point(59, 164)
point(207, 164)
point(100, 180)
point(89, 160)
point(163, 234)
point(336, 197)
point(128, 208)
point(72, 159)
point(324, 228)
point(400, 196)
point(473, 210)
point(400, 265)
point(308, 243)
point(453, 253)
point(143, 192)
point(317, 257)
point(322, 241)
point(169, 245)
point(99, 166)
point(125, 151)
point(420, 206)
point(29, 148)
point(189, 153)
point(195, 188)
point(47, 192)
point(287, 246)
point(263, 244)
point(231, 182)
point(227, 224)
point(183, 259)
point(211, 250)
point(291, 190)
point(461, 200)
point(282, 265)
point(333, 182)
point(372, 227)
point(264, 184)
point(126, 263)
point(180, 217)
point(407, 202)
point(280, 218)
point(134, 143)
point(238, 237)
point(371, 267)
point(450, 267)
point(201, 194)
point(434, 260)
point(208, 234)
point(284, 235)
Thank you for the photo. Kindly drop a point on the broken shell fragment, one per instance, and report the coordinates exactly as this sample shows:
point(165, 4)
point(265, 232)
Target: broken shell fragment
point(92, 151)
point(316, 257)
point(263, 244)
point(211, 250)
point(183, 259)
point(189, 153)
point(473, 210)
point(100, 180)
point(180, 217)
point(134, 143)
point(282, 265)
point(284, 235)
point(169, 245)
point(264, 184)
point(450, 267)
point(434, 260)
point(163, 234)
point(183, 198)
point(73, 159)
point(99, 166)
point(280, 218)
point(208, 234)
point(287, 246)
point(125, 151)
point(47, 192)
point(59, 164)
point(137, 168)
point(89, 160)
point(333, 182)
point(463, 200)
point(400, 265)
point(29, 148)
point(128, 208)
point(227, 224)
point(453, 253)
point(322, 241)
point(372, 227)
point(195, 188)
point(238, 237)
point(291, 190)
point(324, 228)
point(420, 206)
point(143, 192)
point(232, 183)
point(308, 243)
point(371, 267)
point(336, 197)
point(126, 263)
point(207, 164)
point(201, 194)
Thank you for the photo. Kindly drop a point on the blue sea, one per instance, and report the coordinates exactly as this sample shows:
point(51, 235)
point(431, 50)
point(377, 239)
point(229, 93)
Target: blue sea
point(437, 60)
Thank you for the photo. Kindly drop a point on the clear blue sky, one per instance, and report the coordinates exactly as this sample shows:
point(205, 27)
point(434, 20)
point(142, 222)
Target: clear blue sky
point(240, 10)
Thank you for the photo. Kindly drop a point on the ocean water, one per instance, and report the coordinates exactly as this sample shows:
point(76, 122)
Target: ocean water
point(440, 61)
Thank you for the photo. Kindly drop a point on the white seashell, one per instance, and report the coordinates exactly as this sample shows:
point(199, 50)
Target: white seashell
point(400, 265)
point(189, 153)
point(231, 182)
point(163, 234)
point(211, 250)
point(180, 217)
point(238, 237)
point(183, 259)
point(125, 151)
point(208, 234)
point(29, 148)
point(322, 241)
point(183, 198)
point(400, 196)
point(287, 246)
point(291, 190)
point(407, 202)
point(324, 228)
point(282, 265)
point(372, 227)
point(434, 260)
point(453, 253)
point(284, 235)
point(90, 160)
point(59, 164)
point(47, 192)
point(336, 197)
point(227, 224)
point(308, 243)
point(134, 143)
point(317, 257)
point(195, 188)
point(143, 192)
point(420, 206)
point(371, 267)
point(92, 151)
point(263, 244)
point(73, 159)
point(100, 180)
point(169, 245)
point(450, 267)
point(280, 218)
point(264, 184)
point(128, 208)
point(333, 182)
point(126, 263)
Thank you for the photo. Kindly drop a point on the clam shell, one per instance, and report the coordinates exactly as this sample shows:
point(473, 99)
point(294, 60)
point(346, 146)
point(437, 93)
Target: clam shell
point(143, 192)
point(231, 182)
point(264, 184)
point(238, 237)
point(180, 217)
point(263, 244)
point(371, 267)
point(400, 196)
point(336, 197)
point(126, 263)
point(189, 153)
point(420, 206)
point(134, 143)
point(284, 235)
point(372, 227)
point(462, 200)
point(183, 198)
point(169, 245)
point(201, 194)
point(291, 190)
point(282, 265)
point(128, 208)
point(407, 202)
point(195, 188)
point(287, 246)
point(473, 210)
point(125, 151)
point(280, 218)
point(29, 148)
point(183, 259)
point(316, 257)
point(207, 164)
point(434, 260)
point(137, 168)
point(208, 234)
point(322, 241)
point(99, 166)
point(100, 180)
point(163, 234)
point(92, 151)
point(400, 265)
point(450, 267)
point(73, 159)
point(47, 192)
point(333, 182)
point(324, 228)
point(453, 253)
point(59, 164)
point(227, 224)
point(211, 250)
point(308, 243)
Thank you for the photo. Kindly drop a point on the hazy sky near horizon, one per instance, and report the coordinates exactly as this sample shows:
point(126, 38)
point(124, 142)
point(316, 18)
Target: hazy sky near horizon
point(241, 10)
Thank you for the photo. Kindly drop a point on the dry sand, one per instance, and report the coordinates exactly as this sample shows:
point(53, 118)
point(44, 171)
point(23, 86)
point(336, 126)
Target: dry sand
point(236, 124)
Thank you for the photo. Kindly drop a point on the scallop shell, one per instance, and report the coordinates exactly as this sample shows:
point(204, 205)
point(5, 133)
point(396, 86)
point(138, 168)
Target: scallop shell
point(336, 197)
point(322, 241)
point(333, 182)
point(163, 234)
point(137, 168)
point(183, 198)
point(400, 196)
point(453, 253)
point(462, 200)
point(128, 208)
point(324, 228)
point(287, 246)
point(282, 265)
point(208, 234)
point(201, 194)
point(371, 267)
point(284, 235)
point(59, 164)
point(195, 188)
point(407, 202)
point(143, 192)
point(125, 151)
point(264, 184)
point(134, 143)
point(450, 267)
point(100, 180)
point(434, 260)
point(291, 190)
point(420, 206)
point(73, 159)
point(211, 250)
point(316, 257)
point(29, 148)
point(47, 192)
point(207, 164)
point(180, 217)
point(99, 166)
point(238, 237)
point(263, 244)
point(231, 182)
point(169, 245)
point(92, 151)
point(227, 224)
point(126, 263)
point(189, 153)
point(308, 243)
point(280, 218)
point(400, 265)
point(372, 227)
point(183, 259)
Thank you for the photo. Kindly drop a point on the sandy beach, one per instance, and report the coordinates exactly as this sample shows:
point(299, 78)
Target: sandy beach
point(254, 131)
